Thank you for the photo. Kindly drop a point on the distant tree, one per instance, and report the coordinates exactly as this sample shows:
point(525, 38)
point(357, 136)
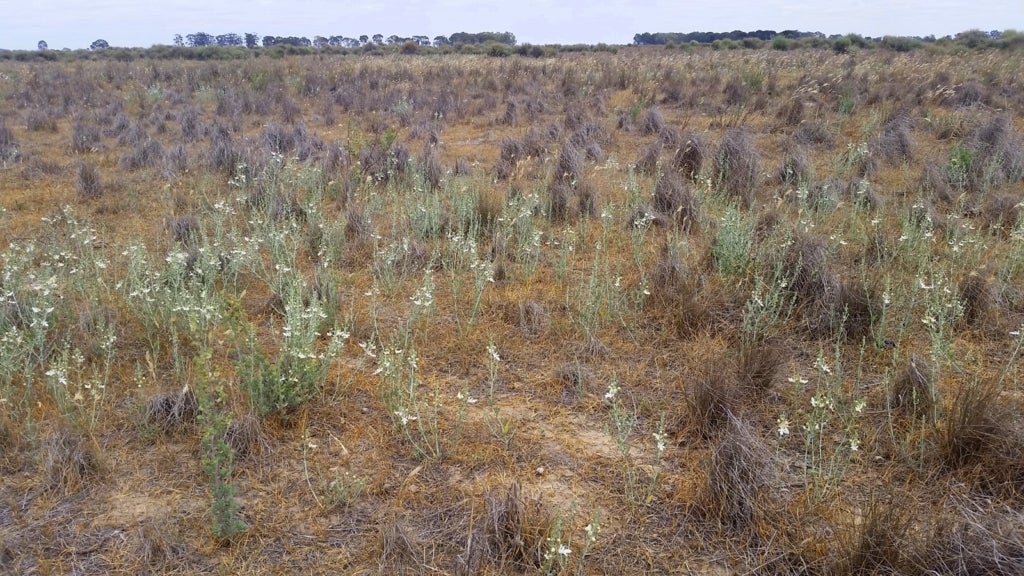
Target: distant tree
point(321, 42)
point(252, 40)
point(302, 42)
point(200, 39)
point(973, 38)
point(483, 38)
point(178, 40)
point(42, 45)
point(441, 41)
point(230, 39)
point(842, 45)
point(780, 42)
point(378, 38)
point(364, 39)
point(100, 44)
point(395, 39)
point(421, 40)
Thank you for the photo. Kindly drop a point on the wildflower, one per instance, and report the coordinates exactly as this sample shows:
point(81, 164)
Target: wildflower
point(659, 442)
point(613, 389)
point(493, 351)
point(783, 426)
point(854, 444)
point(821, 365)
point(404, 417)
point(860, 405)
point(591, 529)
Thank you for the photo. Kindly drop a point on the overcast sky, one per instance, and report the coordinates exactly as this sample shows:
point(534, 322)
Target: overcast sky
point(75, 24)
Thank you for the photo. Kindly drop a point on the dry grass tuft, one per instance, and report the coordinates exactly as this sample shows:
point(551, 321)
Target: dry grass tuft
point(401, 551)
point(738, 166)
point(533, 318)
point(653, 122)
point(814, 134)
point(911, 392)
point(791, 112)
point(503, 541)
point(689, 158)
point(674, 199)
point(879, 540)
point(977, 298)
point(70, 460)
point(796, 167)
point(738, 468)
point(647, 162)
point(184, 230)
point(569, 167)
point(244, 435)
point(759, 367)
point(88, 183)
point(895, 144)
point(713, 399)
point(975, 539)
point(857, 306)
point(173, 411)
point(975, 427)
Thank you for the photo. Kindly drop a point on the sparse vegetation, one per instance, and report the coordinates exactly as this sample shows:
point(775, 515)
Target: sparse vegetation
point(753, 307)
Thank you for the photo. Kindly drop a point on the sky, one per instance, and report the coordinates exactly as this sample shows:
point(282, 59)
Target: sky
point(76, 24)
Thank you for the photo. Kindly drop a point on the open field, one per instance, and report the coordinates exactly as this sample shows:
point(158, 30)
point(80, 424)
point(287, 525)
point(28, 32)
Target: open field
point(645, 312)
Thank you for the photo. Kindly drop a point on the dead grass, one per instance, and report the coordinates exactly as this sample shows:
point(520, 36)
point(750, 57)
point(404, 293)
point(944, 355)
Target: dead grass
point(498, 146)
point(71, 461)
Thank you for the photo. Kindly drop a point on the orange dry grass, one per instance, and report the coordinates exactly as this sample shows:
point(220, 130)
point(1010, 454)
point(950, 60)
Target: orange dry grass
point(547, 429)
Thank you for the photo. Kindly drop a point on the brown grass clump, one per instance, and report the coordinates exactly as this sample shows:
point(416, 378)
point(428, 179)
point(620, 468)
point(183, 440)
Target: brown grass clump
point(758, 368)
point(738, 469)
point(977, 298)
point(738, 166)
point(974, 427)
point(569, 167)
point(70, 460)
point(856, 308)
point(431, 166)
point(807, 263)
point(401, 551)
point(895, 144)
point(88, 183)
point(653, 122)
point(879, 540)
point(689, 158)
point(674, 199)
point(560, 193)
point(983, 434)
point(912, 391)
point(791, 112)
point(713, 399)
point(243, 435)
point(814, 134)
point(974, 538)
point(173, 411)
point(647, 162)
point(533, 318)
point(85, 138)
point(184, 230)
point(502, 538)
point(796, 167)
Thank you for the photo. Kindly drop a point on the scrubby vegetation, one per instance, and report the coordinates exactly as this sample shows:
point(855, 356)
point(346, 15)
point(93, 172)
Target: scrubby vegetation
point(753, 311)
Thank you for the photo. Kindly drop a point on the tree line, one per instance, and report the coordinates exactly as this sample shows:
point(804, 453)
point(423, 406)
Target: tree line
point(253, 40)
point(781, 40)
